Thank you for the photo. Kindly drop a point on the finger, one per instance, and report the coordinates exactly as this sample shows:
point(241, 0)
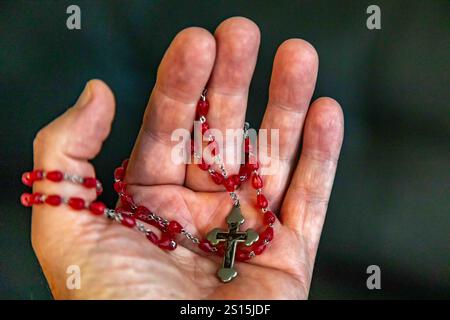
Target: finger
point(306, 201)
point(291, 88)
point(66, 144)
point(182, 75)
point(237, 49)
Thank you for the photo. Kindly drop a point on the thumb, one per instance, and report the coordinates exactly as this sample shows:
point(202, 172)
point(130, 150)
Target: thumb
point(66, 144)
point(78, 134)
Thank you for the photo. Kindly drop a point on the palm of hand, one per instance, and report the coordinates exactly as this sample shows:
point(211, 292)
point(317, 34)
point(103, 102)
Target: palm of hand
point(117, 262)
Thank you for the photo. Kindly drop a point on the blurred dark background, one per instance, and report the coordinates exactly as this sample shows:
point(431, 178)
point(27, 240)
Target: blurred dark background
point(390, 204)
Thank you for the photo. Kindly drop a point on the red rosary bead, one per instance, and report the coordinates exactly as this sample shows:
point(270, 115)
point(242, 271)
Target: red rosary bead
point(76, 203)
point(55, 176)
point(202, 108)
point(26, 179)
point(119, 173)
point(257, 182)
point(119, 186)
point(247, 145)
point(128, 221)
point(229, 184)
point(269, 218)
point(167, 243)
point(152, 237)
point(259, 247)
point(141, 210)
point(53, 200)
point(244, 172)
point(252, 165)
point(242, 255)
point(89, 182)
point(126, 200)
point(97, 208)
point(204, 166)
point(217, 177)
point(25, 199)
point(36, 175)
point(261, 201)
point(236, 179)
point(36, 198)
point(266, 235)
point(174, 227)
point(205, 127)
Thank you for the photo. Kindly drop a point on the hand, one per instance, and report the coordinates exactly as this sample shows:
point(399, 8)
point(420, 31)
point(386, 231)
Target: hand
point(118, 262)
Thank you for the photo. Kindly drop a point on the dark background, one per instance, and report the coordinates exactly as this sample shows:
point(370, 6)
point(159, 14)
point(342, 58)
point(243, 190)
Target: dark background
point(390, 204)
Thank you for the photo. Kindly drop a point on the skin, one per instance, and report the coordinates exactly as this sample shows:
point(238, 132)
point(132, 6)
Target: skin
point(120, 263)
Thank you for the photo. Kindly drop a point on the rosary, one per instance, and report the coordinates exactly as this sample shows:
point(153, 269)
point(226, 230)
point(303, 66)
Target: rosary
point(223, 243)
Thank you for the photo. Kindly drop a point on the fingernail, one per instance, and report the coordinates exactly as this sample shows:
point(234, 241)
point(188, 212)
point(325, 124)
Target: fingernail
point(84, 97)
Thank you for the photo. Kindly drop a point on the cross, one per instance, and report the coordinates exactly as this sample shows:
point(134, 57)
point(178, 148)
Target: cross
point(231, 238)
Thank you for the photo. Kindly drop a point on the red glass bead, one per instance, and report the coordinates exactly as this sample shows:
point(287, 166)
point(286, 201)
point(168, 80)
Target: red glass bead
point(167, 243)
point(55, 176)
point(204, 166)
point(26, 179)
point(126, 199)
point(269, 218)
point(152, 237)
point(242, 255)
point(119, 173)
point(128, 221)
point(202, 108)
point(141, 210)
point(205, 127)
point(76, 203)
point(259, 247)
point(252, 165)
point(244, 172)
point(266, 235)
point(206, 246)
point(247, 145)
point(236, 179)
point(119, 186)
point(53, 200)
point(174, 227)
point(89, 182)
point(36, 175)
point(97, 208)
point(25, 199)
point(257, 182)
point(229, 184)
point(142, 213)
point(36, 198)
point(217, 177)
point(261, 201)
point(124, 204)
point(125, 164)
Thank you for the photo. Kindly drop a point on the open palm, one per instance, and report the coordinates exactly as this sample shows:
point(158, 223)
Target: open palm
point(117, 262)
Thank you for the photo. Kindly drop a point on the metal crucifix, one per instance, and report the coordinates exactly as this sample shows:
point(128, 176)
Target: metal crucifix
point(231, 238)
